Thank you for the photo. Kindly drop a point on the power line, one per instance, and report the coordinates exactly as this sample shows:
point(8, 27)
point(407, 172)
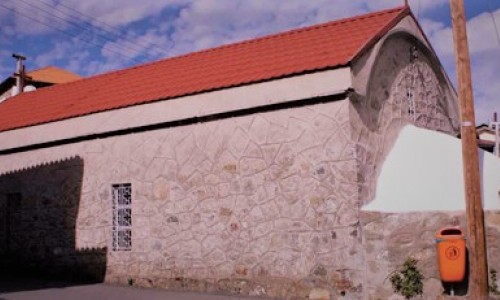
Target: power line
point(494, 21)
point(112, 28)
point(84, 29)
point(69, 34)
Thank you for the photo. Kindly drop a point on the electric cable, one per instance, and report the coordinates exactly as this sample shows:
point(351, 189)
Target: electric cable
point(70, 35)
point(494, 22)
point(84, 29)
point(111, 29)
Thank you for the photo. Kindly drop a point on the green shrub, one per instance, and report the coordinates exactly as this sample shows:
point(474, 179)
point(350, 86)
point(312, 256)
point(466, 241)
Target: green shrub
point(493, 286)
point(408, 280)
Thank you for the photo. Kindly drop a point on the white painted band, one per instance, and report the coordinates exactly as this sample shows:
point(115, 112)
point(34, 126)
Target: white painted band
point(467, 123)
point(330, 82)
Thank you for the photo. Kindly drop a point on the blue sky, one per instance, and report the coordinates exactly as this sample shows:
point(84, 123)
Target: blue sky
point(95, 36)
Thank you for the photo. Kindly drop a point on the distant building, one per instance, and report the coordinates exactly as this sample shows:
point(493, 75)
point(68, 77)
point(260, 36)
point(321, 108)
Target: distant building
point(485, 137)
point(37, 79)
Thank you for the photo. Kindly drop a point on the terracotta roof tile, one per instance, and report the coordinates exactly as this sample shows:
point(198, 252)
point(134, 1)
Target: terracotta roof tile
point(319, 47)
point(53, 74)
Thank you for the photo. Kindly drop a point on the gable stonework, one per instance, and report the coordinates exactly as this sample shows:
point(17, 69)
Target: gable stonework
point(400, 70)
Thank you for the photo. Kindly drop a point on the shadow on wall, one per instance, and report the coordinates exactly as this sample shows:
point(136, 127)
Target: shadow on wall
point(38, 213)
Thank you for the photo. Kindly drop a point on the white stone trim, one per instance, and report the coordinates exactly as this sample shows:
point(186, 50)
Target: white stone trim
point(324, 83)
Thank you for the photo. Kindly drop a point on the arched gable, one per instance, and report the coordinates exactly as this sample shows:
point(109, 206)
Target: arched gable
point(399, 81)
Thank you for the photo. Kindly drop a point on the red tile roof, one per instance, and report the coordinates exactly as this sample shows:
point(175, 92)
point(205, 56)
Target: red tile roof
point(53, 74)
point(319, 47)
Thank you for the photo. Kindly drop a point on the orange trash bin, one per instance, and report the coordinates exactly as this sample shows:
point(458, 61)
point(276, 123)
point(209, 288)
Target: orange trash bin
point(451, 254)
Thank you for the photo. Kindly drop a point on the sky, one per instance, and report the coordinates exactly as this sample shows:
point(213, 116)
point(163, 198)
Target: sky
point(90, 37)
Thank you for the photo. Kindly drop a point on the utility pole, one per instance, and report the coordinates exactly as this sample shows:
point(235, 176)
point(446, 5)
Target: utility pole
point(478, 281)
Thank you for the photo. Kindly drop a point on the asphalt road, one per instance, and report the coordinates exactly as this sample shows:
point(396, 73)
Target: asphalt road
point(33, 289)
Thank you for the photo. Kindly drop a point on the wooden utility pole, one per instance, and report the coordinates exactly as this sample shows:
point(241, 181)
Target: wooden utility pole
point(478, 280)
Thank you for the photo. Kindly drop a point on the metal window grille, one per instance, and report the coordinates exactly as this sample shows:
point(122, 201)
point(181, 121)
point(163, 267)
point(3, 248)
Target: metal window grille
point(122, 217)
point(410, 93)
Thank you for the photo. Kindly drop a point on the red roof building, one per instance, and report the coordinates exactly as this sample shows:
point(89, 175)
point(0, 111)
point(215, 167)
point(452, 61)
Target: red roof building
point(52, 75)
point(243, 168)
point(39, 78)
point(311, 49)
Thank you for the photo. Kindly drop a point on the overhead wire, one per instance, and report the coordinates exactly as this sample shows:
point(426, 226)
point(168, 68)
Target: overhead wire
point(111, 29)
point(494, 21)
point(69, 34)
point(84, 29)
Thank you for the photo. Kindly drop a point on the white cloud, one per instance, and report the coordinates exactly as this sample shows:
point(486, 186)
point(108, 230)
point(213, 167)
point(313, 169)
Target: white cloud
point(54, 15)
point(203, 24)
point(430, 27)
point(29, 17)
point(194, 25)
point(417, 6)
point(207, 23)
point(486, 79)
point(7, 65)
point(480, 33)
point(484, 49)
point(60, 51)
point(118, 13)
point(68, 54)
point(200, 24)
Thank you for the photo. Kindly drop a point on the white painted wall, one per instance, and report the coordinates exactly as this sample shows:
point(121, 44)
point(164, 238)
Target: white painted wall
point(487, 135)
point(424, 172)
point(7, 94)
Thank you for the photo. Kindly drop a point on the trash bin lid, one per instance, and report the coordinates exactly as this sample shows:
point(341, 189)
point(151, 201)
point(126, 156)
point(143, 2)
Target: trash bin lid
point(450, 232)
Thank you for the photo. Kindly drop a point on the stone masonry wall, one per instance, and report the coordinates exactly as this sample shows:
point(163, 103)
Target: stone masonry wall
point(264, 204)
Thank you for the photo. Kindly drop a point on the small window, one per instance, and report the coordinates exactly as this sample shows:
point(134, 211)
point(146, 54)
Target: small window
point(122, 217)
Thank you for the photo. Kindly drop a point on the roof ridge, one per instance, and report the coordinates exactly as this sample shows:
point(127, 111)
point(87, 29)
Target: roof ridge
point(53, 67)
point(39, 69)
point(292, 31)
point(289, 53)
point(245, 42)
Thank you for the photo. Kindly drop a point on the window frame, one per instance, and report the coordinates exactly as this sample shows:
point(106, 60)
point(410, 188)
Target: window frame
point(121, 195)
